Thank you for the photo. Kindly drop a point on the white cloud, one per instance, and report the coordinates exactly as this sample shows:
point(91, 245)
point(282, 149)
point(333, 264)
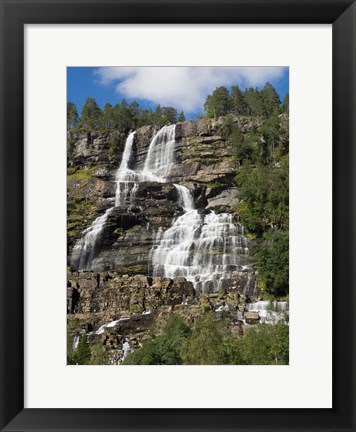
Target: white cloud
point(184, 88)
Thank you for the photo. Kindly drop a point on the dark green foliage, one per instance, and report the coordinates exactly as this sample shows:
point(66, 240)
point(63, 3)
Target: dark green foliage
point(238, 103)
point(165, 349)
point(107, 121)
point(205, 346)
point(265, 194)
point(270, 100)
point(121, 117)
point(212, 343)
point(169, 115)
point(251, 102)
point(285, 105)
point(72, 116)
point(272, 262)
point(181, 117)
point(263, 345)
point(82, 355)
point(91, 115)
point(218, 103)
point(254, 102)
point(114, 144)
point(263, 182)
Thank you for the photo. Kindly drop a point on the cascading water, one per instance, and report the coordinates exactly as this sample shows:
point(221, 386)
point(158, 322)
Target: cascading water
point(88, 246)
point(126, 178)
point(270, 312)
point(160, 155)
point(203, 249)
point(159, 159)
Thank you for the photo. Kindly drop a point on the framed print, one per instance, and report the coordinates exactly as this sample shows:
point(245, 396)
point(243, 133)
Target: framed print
point(152, 274)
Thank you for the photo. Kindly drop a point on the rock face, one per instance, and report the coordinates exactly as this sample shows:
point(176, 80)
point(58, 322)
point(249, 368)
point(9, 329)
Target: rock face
point(118, 298)
point(112, 307)
point(203, 161)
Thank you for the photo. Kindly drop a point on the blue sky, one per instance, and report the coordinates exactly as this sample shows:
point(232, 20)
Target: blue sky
point(184, 88)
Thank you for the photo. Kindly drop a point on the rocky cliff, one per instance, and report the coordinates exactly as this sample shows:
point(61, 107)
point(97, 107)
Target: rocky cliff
point(121, 297)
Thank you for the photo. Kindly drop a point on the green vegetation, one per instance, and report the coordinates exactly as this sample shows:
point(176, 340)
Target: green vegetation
point(81, 174)
point(81, 355)
point(72, 116)
point(251, 102)
point(262, 179)
point(211, 342)
point(86, 354)
point(121, 117)
point(165, 349)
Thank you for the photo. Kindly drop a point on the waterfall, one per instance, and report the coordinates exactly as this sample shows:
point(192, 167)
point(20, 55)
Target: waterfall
point(160, 157)
point(270, 312)
point(76, 340)
point(185, 198)
point(126, 178)
point(204, 249)
point(87, 247)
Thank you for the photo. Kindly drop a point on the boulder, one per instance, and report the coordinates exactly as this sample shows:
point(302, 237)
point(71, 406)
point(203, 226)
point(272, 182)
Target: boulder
point(252, 317)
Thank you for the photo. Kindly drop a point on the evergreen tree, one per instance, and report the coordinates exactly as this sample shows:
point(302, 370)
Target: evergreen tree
point(107, 117)
point(270, 100)
point(134, 112)
point(147, 117)
point(205, 346)
point(72, 116)
point(218, 104)
point(91, 115)
point(157, 117)
point(181, 117)
point(285, 105)
point(122, 116)
point(238, 103)
point(169, 115)
point(254, 102)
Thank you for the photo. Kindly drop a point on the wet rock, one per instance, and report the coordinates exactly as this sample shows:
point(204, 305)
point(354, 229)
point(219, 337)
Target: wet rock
point(252, 317)
point(226, 201)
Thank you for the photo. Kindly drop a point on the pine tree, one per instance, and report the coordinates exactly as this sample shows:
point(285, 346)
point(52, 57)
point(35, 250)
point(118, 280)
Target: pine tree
point(72, 116)
point(181, 117)
point(107, 117)
point(238, 103)
point(270, 100)
point(285, 105)
point(218, 104)
point(170, 115)
point(254, 102)
point(91, 115)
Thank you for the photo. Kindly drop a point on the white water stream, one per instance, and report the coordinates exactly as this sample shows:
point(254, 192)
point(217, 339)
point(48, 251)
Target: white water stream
point(270, 312)
point(158, 162)
point(204, 248)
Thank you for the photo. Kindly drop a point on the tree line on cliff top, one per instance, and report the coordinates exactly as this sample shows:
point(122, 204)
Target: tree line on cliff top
point(125, 116)
point(121, 117)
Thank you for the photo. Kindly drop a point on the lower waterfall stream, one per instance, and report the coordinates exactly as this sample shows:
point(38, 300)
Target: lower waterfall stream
point(205, 249)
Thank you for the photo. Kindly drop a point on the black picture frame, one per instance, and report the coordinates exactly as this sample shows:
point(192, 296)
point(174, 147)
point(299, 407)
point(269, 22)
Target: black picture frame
point(14, 15)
